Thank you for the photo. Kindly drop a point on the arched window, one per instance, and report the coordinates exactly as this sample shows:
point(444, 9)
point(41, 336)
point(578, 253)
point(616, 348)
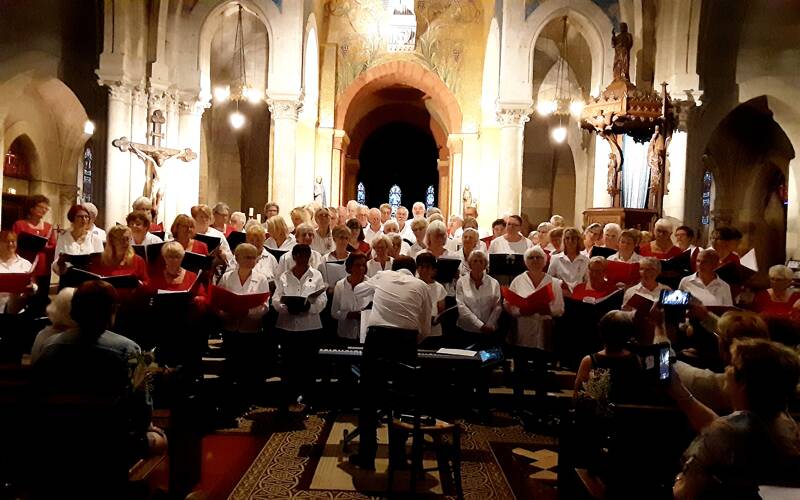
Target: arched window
point(16, 162)
point(361, 195)
point(394, 198)
point(430, 197)
point(708, 197)
point(87, 175)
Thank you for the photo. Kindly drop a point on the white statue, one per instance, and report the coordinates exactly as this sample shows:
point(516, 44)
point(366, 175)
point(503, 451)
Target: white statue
point(466, 198)
point(319, 192)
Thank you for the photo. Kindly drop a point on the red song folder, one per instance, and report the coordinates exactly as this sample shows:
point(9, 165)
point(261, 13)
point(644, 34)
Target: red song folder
point(14, 282)
point(622, 272)
point(533, 302)
point(233, 303)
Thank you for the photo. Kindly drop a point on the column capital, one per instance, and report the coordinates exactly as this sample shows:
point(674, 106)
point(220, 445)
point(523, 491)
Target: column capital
point(285, 108)
point(139, 96)
point(513, 115)
point(340, 139)
point(118, 91)
point(192, 107)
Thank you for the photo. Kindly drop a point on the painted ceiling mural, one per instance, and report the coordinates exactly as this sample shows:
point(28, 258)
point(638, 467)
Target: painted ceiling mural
point(610, 7)
point(443, 35)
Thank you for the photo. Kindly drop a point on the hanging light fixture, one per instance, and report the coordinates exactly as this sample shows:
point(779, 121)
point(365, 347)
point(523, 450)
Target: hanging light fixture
point(563, 104)
point(238, 90)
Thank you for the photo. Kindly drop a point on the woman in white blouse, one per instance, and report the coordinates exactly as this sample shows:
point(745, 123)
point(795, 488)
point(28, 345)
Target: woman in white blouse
point(244, 279)
point(469, 243)
point(346, 308)
point(77, 240)
point(304, 235)
point(279, 236)
point(299, 327)
point(10, 262)
point(266, 263)
point(626, 249)
point(531, 340)
point(418, 227)
point(570, 266)
point(513, 242)
point(381, 245)
point(139, 222)
point(323, 238)
point(478, 299)
point(435, 241)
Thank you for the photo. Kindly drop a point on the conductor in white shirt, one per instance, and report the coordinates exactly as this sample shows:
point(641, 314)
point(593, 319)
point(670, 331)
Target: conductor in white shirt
point(299, 327)
point(401, 312)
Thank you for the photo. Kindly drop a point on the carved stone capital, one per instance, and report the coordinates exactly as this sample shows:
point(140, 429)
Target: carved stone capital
point(513, 116)
point(118, 91)
point(192, 107)
point(285, 108)
point(139, 96)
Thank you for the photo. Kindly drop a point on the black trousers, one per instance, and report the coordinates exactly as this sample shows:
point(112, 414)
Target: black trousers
point(383, 349)
point(530, 362)
point(299, 352)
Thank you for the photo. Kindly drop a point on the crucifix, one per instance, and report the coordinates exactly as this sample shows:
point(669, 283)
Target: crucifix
point(154, 156)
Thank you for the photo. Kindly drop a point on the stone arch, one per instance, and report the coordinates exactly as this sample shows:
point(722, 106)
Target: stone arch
point(594, 25)
point(407, 74)
point(209, 17)
point(310, 70)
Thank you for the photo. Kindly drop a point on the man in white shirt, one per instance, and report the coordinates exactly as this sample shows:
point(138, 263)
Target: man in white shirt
point(362, 215)
point(418, 210)
point(512, 242)
point(704, 285)
point(403, 228)
point(373, 228)
point(401, 313)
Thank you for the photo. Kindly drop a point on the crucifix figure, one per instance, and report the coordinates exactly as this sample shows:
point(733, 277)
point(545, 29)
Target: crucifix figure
point(154, 156)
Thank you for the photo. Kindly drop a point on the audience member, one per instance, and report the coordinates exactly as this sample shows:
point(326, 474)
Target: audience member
point(58, 312)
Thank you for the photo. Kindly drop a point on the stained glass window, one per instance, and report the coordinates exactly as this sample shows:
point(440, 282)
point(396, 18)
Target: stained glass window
point(708, 187)
point(394, 198)
point(87, 174)
point(361, 195)
point(429, 197)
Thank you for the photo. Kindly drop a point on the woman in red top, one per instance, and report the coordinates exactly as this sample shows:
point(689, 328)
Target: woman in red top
point(357, 243)
point(661, 247)
point(183, 232)
point(780, 299)
point(118, 258)
point(598, 286)
point(173, 277)
point(36, 208)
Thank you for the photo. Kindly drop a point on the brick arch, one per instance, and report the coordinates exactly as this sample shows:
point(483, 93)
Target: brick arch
point(404, 73)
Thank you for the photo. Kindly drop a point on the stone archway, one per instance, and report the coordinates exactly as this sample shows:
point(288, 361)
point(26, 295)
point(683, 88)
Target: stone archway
point(429, 104)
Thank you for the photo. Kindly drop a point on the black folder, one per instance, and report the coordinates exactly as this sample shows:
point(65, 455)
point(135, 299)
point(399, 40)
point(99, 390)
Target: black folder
point(150, 253)
point(212, 242)
point(81, 261)
point(447, 269)
point(733, 273)
point(276, 253)
point(74, 277)
point(236, 238)
point(675, 269)
point(28, 245)
point(160, 234)
point(502, 264)
point(195, 262)
point(602, 252)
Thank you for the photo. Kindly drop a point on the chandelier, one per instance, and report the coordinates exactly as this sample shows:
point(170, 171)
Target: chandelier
point(562, 105)
point(238, 90)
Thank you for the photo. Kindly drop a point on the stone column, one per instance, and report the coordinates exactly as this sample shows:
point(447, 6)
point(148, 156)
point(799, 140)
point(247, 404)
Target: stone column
point(284, 159)
point(183, 190)
point(118, 164)
point(338, 157)
point(139, 127)
point(512, 121)
point(674, 204)
point(452, 205)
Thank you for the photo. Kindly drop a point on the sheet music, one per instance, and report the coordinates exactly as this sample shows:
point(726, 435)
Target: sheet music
point(749, 260)
point(457, 352)
point(332, 272)
point(364, 325)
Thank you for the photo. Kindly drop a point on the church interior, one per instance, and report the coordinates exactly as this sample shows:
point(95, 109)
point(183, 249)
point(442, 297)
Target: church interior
point(222, 218)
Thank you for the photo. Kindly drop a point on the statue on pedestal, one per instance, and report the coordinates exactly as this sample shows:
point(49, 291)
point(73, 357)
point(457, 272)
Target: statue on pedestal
point(622, 43)
point(466, 198)
point(655, 160)
point(614, 179)
point(319, 192)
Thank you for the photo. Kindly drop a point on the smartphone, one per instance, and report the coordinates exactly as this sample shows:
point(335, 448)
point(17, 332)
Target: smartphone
point(674, 298)
point(664, 364)
point(657, 361)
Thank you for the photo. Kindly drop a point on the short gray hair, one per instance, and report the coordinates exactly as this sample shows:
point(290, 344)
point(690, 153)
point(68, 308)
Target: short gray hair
point(612, 226)
point(91, 208)
point(58, 311)
point(436, 227)
point(535, 250)
point(477, 254)
point(780, 272)
point(651, 261)
point(239, 217)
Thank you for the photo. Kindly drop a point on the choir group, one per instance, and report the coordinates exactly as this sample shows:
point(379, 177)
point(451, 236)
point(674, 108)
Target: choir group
point(545, 295)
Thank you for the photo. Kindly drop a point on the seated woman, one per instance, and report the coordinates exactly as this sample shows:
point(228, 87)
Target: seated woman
point(779, 299)
point(299, 327)
point(469, 243)
point(58, 312)
point(626, 247)
point(530, 340)
point(381, 245)
point(118, 258)
point(304, 235)
point(10, 262)
point(757, 444)
point(357, 242)
point(183, 232)
point(77, 240)
point(346, 308)
point(478, 300)
point(139, 222)
point(597, 286)
point(570, 266)
point(279, 236)
point(615, 329)
point(426, 271)
point(661, 247)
